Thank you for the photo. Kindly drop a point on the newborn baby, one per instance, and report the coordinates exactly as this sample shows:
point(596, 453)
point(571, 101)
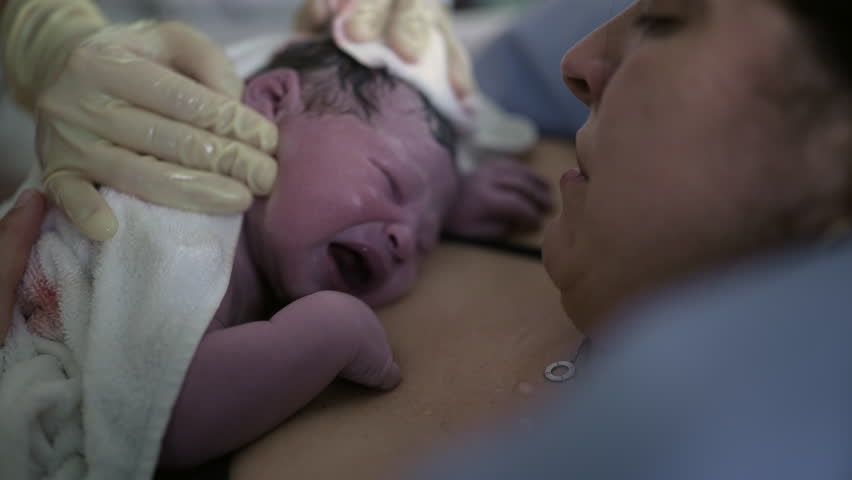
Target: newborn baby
point(367, 182)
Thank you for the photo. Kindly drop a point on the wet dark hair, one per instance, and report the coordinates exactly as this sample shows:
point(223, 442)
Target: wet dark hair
point(827, 24)
point(354, 89)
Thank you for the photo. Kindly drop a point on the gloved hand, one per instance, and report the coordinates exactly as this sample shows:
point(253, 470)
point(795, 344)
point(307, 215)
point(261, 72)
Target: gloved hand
point(150, 109)
point(404, 25)
point(499, 198)
point(19, 230)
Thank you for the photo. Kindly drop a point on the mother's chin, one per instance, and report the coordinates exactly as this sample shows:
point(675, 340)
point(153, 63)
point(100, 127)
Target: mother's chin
point(569, 273)
point(593, 285)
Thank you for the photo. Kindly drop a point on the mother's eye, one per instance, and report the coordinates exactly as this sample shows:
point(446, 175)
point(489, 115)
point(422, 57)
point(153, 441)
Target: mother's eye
point(656, 25)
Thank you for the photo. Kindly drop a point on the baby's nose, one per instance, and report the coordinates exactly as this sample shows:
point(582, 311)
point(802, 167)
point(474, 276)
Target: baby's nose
point(403, 243)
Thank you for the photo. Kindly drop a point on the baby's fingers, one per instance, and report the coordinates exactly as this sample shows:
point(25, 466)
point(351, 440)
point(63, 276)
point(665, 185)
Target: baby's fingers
point(379, 372)
point(371, 363)
point(515, 211)
point(528, 187)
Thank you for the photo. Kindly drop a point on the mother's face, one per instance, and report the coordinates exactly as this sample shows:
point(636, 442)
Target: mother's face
point(698, 148)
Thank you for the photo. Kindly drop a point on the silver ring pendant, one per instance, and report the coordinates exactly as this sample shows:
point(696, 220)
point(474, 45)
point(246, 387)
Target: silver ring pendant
point(561, 371)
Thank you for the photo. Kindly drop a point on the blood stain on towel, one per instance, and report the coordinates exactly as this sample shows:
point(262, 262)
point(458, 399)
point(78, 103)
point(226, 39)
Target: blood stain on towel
point(39, 304)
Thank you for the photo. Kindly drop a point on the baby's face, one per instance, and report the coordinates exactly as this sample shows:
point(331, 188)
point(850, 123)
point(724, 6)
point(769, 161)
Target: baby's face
point(356, 206)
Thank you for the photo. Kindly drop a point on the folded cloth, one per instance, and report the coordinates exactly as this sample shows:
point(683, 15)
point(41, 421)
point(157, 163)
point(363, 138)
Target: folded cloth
point(102, 336)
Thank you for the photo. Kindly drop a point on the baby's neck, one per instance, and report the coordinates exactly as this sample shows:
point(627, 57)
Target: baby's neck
point(248, 298)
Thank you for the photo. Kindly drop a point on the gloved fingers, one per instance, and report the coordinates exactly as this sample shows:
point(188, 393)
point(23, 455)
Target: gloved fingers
point(167, 184)
point(175, 142)
point(197, 56)
point(458, 59)
point(19, 230)
point(155, 88)
point(367, 20)
point(82, 204)
point(409, 28)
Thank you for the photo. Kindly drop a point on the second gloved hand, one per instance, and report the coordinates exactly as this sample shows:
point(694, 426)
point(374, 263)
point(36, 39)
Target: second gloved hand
point(404, 25)
point(150, 109)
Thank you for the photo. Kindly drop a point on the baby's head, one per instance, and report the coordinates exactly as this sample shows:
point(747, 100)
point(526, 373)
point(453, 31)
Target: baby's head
point(366, 176)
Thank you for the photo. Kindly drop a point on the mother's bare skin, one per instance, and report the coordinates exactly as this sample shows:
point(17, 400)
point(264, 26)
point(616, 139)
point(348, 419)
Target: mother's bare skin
point(472, 341)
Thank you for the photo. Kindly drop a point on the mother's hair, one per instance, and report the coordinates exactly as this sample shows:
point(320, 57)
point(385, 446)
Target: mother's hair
point(827, 24)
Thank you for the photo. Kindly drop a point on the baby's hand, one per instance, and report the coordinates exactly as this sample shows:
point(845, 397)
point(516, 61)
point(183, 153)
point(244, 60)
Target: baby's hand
point(497, 199)
point(371, 361)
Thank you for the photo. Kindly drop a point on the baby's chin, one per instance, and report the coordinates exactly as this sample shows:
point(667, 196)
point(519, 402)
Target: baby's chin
point(303, 274)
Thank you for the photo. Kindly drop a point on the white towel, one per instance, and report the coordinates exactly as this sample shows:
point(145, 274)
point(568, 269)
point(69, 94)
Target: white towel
point(102, 337)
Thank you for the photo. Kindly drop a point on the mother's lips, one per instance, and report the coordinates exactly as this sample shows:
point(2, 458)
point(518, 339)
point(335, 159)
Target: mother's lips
point(581, 167)
point(574, 175)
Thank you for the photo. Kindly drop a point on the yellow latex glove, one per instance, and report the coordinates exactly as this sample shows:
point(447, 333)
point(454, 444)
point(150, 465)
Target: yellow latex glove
point(150, 109)
point(402, 24)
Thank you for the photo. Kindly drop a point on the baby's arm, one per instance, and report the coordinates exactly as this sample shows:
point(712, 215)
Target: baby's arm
point(245, 380)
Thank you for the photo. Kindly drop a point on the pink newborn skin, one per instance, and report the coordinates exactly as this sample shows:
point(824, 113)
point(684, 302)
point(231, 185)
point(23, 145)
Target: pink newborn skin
point(357, 206)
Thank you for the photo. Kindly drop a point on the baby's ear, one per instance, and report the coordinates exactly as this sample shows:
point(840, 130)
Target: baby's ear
point(275, 94)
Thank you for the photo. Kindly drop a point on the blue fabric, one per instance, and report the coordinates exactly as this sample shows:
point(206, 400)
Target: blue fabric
point(745, 376)
point(520, 70)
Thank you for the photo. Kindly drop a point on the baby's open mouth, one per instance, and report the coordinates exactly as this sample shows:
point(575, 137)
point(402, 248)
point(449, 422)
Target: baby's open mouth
point(354, 266)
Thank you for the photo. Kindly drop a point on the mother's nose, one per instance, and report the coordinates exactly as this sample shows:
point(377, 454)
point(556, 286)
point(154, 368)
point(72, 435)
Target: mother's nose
point(588, 66)
point(585, 77)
